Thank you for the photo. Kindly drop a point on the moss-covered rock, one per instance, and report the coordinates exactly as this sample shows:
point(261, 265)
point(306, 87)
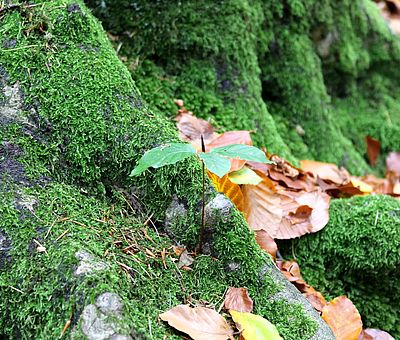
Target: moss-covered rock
point(72, 126)
point(358, 255)
point(312, 78)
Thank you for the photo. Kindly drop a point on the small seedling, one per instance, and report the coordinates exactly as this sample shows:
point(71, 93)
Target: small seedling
point(217, 161)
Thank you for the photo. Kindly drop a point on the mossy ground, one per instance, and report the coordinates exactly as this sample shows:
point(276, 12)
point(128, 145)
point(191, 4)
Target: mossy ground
point(81, 128)
point(357, 255)
point(277, 68)
point(50, 293)
point(319, 75)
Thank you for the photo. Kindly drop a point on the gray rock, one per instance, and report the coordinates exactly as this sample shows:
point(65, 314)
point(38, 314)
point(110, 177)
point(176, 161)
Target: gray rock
point(88, 263)
point(100, 321)
point(5, 247)
point(219, 208)
point(109, 303)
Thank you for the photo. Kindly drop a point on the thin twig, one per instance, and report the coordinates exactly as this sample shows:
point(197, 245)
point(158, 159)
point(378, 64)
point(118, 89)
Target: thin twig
point(203, 149)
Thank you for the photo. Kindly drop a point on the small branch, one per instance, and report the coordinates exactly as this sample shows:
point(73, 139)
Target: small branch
point(202, 227)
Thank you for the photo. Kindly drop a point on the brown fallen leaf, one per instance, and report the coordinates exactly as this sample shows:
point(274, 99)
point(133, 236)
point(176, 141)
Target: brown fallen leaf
point(231, 190)
point(191, 128)
point(326, 171)
point(343, 318)
point(283, 166)
point(266, 242)
point(374, 334)
point(185, 260)
point(373, 149)
point(238, 299)
point(262, 206)
point(200, 323)
point(316, 299)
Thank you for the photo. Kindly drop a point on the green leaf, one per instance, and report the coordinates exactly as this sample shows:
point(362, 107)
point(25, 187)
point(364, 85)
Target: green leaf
point(254, 327)
point(215, 163)
point(244, 176)
point(163, 155)
point(242, 151)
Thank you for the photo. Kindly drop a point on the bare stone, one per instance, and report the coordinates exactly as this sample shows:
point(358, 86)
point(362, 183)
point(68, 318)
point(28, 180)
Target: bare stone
point(88, 263)
point(100, 320)
point(218, 208)
point(10, 110)
point(109, 303)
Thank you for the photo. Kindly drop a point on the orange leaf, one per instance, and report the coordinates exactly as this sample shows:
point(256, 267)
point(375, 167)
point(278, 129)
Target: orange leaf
point(326, 171)
point(373, 149)
point(238, 299)
point(262, 206)
point(343, 318)
point(266, 242)
point(231, 190)
point(200, 323)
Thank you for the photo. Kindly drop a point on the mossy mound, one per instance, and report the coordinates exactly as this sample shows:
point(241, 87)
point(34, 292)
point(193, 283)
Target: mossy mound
point(41, 290)
point(72, 127)
point(358, 255)
point(296, 72)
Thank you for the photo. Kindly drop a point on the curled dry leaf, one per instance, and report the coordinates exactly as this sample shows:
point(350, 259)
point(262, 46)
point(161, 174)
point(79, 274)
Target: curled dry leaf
point(326, 171)
point(191, 128)
point(374, 334)
point(238, 299)
point(200, 323)
point(315, 298)
point(266, 242)
point(262, 206)
point(231, 190)
point(373, 149)
point(343, 318)
point(185, 260)
point(285, 167)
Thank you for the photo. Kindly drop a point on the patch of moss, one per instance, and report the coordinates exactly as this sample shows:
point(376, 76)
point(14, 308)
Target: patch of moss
point(357, 255)
point(47, 283)
point(85, 126)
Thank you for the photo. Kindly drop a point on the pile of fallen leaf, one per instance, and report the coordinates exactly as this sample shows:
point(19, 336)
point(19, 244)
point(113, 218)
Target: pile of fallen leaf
point(282, 201)
point(390, 10)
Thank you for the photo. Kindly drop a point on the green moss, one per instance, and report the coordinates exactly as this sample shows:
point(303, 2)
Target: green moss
point(47, 282)
point(357, 255)
point(82, 123)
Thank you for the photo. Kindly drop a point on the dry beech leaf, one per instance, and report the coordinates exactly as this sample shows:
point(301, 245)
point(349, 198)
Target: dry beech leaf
point(191, 128)
point(315, 298)
point(266, 242)
point(374, 334)
point(262, 206)
point(185, 260)
point(200, 323)
point(373, 149)
point(343, 318)
point(238, 299)
point(283, 166)
point(231, 190)
point(326, 171)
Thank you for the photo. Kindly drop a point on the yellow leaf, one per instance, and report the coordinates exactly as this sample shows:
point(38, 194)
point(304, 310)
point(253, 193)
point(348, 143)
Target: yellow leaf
point(244, 176)
point(231, 190)
point(254, 327)
point(364, 187)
